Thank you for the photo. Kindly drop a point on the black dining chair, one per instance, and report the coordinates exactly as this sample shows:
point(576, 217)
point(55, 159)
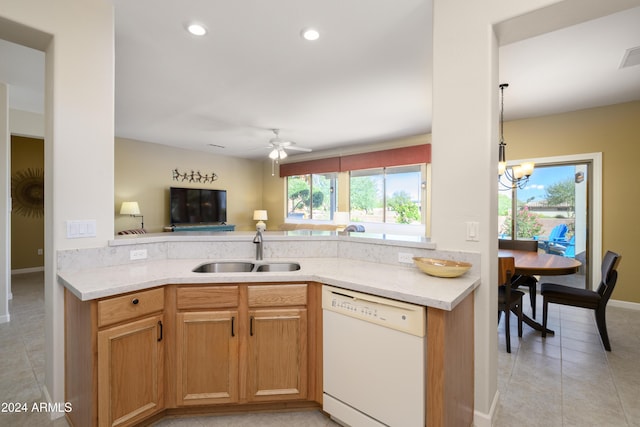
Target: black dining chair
point(520, 279)
point(585, 298)
point(508, 298)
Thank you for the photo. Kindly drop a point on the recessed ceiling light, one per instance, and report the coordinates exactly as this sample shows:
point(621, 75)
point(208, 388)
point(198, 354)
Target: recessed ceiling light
point(197, 29)
point(310, 34)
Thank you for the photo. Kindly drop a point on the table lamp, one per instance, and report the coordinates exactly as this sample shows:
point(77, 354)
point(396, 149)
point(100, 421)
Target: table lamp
point(132, 209)
point(260, 216)
point(341, 219)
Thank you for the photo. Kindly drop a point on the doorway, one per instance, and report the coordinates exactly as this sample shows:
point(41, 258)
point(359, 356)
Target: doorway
point(560, 206)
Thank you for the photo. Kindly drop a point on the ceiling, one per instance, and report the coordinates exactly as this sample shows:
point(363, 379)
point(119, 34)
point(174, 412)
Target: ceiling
point(367, 79)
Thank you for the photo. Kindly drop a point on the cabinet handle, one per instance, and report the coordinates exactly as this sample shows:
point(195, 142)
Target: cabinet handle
point(251, 326)
point(135, 301)
point(233, 321)
point(160, 325)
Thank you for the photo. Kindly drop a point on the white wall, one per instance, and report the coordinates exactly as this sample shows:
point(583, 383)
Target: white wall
point(26, 123)
point(464, 188)
point(5, 213)
point(77, 38)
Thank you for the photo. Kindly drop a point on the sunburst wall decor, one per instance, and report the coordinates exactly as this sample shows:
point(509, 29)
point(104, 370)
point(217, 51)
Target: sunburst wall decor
point(27, 192)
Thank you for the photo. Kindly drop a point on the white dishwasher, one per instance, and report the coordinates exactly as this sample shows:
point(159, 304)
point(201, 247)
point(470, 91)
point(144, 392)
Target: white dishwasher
point(373, 360)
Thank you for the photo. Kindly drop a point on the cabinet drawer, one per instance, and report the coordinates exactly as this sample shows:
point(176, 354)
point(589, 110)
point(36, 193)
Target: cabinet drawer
point(130, 306)
point(277, 295)
point(197, 297)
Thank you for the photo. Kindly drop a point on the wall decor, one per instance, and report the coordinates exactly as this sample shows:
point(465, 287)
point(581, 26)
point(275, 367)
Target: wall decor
point(27, 192)
point(193, 176)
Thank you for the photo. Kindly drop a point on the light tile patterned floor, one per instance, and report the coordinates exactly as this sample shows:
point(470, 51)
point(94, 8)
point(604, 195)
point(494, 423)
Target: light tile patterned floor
point(568, 379)
point(564, 380)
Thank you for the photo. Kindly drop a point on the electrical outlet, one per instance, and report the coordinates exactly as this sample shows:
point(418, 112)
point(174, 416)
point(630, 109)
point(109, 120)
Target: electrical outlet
point(138, 254)
point(405, 257)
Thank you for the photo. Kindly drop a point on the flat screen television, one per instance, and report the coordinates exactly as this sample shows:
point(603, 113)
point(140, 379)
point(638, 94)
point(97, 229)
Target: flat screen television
point(197, 206)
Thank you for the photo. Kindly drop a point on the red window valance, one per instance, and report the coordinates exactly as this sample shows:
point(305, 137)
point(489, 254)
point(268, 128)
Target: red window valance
point(394, 157)
point(331, 164)
point(411, 155)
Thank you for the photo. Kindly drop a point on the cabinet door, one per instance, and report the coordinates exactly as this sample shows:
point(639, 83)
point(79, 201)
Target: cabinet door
point(207, 357)
point(277, 354)
point(130, 372)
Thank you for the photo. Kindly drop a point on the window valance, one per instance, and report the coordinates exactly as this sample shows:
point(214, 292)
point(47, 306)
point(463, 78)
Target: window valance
point(385, 158)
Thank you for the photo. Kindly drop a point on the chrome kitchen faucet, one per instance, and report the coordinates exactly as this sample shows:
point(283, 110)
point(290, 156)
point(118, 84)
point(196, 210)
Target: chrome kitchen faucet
point(258, 241)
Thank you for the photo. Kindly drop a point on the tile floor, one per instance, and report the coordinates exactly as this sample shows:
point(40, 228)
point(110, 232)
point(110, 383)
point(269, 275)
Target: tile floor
point(564, 380)
point(568, 379)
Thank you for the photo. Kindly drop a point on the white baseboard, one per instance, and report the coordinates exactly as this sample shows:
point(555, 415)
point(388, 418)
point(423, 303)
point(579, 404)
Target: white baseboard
point(5, 319)
point(480, 419)
point(624, 304)
point(47, 398)
point(27, 270)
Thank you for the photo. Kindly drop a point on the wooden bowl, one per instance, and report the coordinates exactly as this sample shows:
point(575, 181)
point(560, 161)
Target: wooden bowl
point(441, 267)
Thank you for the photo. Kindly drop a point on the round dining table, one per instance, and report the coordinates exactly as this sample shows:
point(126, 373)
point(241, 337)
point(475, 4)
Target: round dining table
point(542, 264)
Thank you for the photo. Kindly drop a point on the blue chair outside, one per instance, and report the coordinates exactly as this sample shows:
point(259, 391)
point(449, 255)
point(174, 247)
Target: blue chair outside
point(567, 249)
point(557, 236)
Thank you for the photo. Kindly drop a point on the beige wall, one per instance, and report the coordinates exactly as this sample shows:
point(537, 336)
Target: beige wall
point(143, 173)
point(614, 131)
point(27, 231)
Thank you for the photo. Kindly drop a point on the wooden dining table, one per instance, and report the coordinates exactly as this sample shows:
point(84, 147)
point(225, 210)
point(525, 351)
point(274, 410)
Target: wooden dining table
point(542, 264)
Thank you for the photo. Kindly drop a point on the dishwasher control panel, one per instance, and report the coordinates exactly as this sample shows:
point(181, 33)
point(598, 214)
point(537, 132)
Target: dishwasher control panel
point(398, 315)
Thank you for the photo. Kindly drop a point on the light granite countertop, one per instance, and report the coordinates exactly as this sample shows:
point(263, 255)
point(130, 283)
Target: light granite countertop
point(396, 282)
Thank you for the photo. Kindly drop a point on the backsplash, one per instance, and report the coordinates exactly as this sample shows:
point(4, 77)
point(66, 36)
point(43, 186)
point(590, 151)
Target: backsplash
point(240, 246)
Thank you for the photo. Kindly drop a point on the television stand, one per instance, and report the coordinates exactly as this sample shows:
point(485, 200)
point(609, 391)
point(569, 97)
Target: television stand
point(201, 227)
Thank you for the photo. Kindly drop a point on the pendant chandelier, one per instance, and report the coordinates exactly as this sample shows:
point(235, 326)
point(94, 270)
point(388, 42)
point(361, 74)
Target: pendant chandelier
point(514, 176)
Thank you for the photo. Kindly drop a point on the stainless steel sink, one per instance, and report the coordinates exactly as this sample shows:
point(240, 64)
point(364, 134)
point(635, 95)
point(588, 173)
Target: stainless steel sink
point(225, 267)
point(278, 266)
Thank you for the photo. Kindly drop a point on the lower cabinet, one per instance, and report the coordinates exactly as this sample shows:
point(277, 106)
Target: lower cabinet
point(188, 349)
point(256, 352)
point(207, 357)
point(115, 358)
point(130, 371)
point(277, 357)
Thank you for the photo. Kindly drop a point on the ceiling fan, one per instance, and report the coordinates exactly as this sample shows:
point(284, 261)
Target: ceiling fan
point(277, 146)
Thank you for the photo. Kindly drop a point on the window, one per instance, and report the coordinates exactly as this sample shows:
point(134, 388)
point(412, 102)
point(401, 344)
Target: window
point(392, 195)
point(312, 196)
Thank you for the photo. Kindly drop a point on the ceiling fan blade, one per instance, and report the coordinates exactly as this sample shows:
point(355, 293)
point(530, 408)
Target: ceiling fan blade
point(296, 148)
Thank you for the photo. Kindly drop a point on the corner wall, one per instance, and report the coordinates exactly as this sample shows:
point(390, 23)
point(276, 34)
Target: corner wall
point(79, 123)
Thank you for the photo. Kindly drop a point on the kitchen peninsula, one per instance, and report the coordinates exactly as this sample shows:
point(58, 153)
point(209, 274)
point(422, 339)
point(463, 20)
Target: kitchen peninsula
point(124, 315)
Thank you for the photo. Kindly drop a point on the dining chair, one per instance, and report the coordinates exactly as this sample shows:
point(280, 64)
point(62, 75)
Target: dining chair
point(585, 298)
point(508, 298)
point(519, 279)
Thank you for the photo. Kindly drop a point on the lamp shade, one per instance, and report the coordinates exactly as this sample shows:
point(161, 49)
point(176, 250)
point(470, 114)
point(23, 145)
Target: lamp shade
point(260, 215)
point(341, 218)
point(129, 208)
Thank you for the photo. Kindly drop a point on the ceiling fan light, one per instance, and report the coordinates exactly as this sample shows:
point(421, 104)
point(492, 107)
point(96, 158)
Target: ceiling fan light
point(197, 29)
point(283, 154)
point(310, 34)
point(273, 154)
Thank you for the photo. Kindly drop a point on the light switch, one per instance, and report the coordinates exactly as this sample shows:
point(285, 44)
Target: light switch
point(473, 231)
point(81, 228)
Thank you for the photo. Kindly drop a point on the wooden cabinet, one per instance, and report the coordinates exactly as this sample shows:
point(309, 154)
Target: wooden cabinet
point(277, 343)
point(207, 345)
point(114, 364)
point(130, 371)
point(185, 349)
point(241, 343)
